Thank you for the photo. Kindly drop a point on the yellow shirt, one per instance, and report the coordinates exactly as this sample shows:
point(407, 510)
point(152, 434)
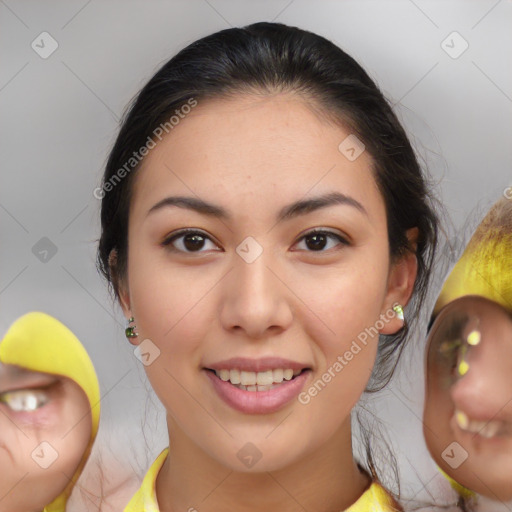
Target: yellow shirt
point(374, 499)
point(459, 488)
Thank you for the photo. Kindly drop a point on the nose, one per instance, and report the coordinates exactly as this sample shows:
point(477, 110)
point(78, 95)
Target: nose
point(256, 300)
point(485, 391)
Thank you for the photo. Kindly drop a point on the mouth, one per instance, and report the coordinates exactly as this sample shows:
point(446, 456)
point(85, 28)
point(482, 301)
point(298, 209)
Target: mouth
point(258, 386)
point(488, 429)
point(257, 381)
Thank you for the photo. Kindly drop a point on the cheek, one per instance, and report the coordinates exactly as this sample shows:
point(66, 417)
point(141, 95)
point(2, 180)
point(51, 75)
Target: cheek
point(76, 429)
point(164, 297)
point(68, 434)
point(15, 449)
point(342, 319)
point(344, 305)
point(173, 310)
point(438, 412)
point(45, 468)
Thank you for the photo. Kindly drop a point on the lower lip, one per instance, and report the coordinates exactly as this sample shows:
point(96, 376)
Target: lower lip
point(258, 402)
point(44, 416)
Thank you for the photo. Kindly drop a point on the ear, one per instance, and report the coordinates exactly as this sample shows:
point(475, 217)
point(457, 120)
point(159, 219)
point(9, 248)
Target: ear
point(119, 285)
point(401, 281)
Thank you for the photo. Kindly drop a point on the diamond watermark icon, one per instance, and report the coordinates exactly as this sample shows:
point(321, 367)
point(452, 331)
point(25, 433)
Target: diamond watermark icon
point(351, 147)
point(454, 45)
point(454, 455)
point(249, 249)
point(44, 250)
point(44, 455)
point(249, 454)
point(147, 352)
point(44, 45)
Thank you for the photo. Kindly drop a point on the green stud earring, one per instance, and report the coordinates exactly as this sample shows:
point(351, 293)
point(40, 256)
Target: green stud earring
point(130, 330)
point(397, 308)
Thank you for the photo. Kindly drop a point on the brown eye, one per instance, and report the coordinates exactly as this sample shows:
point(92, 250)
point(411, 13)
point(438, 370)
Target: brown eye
point(317, 241)
point(187, 241)
point(193, 242)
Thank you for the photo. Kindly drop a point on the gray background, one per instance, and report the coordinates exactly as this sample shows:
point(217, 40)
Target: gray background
point(59, 117)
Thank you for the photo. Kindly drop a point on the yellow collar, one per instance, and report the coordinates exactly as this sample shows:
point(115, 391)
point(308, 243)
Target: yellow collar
point(374, 499)
point(144, 500)
point(459, 488)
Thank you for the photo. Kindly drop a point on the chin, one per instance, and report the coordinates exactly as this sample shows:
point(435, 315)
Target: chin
point(261, 455)
point(496, 485)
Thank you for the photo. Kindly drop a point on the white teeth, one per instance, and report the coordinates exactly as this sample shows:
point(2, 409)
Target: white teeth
point(264, 378)
point(485, 429)
point(256, 388)
point(287, 374)
point(247, 378)
point(490, 430)
point(234, 376)
point(257, 381)
point(224, 375)
point(277, 375)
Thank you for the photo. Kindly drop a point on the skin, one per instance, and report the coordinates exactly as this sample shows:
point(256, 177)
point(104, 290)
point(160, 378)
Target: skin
point(484, 393)
point(254, 155)
point(26, 486)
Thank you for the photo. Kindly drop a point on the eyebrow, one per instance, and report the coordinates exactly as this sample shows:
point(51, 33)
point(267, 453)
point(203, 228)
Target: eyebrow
point(295, 209)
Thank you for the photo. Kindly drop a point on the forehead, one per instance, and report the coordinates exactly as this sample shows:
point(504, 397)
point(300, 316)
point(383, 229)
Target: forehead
point(256, 145)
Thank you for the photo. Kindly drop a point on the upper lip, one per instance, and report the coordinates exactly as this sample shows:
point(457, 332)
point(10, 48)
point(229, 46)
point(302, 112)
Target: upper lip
point(256, 365)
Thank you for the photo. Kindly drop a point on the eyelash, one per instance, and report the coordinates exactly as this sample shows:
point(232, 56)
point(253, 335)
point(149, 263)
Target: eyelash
point(182, 233)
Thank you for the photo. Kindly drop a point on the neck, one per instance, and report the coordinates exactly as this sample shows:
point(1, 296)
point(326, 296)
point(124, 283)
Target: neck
point(325, 480)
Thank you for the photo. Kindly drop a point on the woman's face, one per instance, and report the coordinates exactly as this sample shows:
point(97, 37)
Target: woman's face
point(469, 395)
point(42, 437)
point(251, 294)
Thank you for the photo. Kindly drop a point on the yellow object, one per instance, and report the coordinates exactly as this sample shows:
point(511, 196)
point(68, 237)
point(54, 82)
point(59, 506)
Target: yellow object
point(458, 488)
point(463, 368)
point(485, 268)
point(38, 342)
point(374, 499)
point(474, 338)
point(144, 500)
point(462, 419)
